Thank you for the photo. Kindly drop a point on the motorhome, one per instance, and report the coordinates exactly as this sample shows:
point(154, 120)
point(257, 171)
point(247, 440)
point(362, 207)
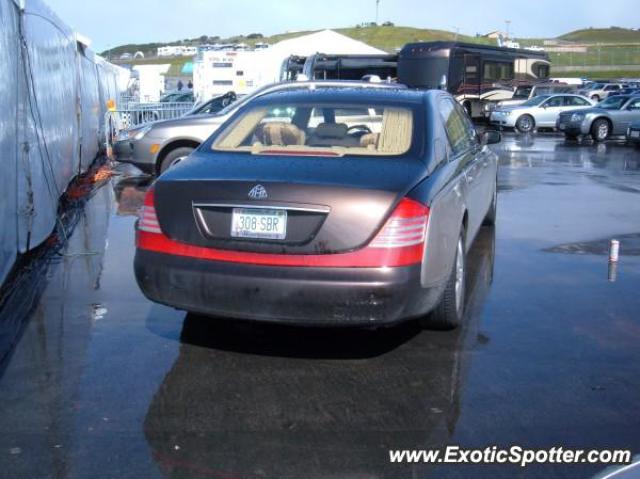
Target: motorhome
point(473, 73)
point(350, 67)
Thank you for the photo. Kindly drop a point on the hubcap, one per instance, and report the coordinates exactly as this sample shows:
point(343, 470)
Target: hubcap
point(525, 123)
point(459, 276)
point(603, 130)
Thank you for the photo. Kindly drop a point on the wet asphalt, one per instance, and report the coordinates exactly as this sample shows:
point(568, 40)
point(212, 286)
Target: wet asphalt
point(96, 381)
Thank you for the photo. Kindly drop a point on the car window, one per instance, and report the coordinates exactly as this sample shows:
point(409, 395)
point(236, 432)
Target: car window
point(536, 100)
point(321, 129)
point(634, 104)
point(554, 101)
point(455, 126)
point(613, 102)
point(575, 101)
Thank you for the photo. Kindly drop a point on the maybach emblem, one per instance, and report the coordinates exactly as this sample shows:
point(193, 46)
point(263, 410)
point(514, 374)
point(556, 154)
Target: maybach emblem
point(258, 192)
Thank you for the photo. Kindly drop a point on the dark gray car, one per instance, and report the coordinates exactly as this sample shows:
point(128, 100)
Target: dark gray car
point(349, 206)
point(610, 117)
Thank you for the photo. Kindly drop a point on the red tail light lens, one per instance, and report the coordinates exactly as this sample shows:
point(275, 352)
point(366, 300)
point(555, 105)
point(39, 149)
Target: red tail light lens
point(407, 226)
point(147, 218)
point(400, 242)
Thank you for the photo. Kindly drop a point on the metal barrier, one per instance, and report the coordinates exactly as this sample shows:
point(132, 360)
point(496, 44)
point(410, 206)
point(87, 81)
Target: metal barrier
point(139, 113)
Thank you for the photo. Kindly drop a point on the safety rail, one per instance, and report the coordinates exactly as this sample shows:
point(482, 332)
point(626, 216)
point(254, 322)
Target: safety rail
point(139, 113)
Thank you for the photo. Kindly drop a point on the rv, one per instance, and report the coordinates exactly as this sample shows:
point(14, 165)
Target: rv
point(350, 67)
point(475, 74)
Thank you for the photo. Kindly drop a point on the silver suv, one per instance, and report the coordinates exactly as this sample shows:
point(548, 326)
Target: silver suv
point(600, 91)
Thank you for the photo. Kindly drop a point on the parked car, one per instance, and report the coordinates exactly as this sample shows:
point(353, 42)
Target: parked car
point(626, 91)
point(633, 133)
point(156, 146)
point(600, 91)
point(609, 117)
point(214, 105)
point(522, 93)
point(540, 112)
point(279, 217)
point(178, 97)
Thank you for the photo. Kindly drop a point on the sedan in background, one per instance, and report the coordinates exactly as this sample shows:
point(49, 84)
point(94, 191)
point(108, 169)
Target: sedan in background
point(156, 146)
point(609, 117)
point(298, 211)
point(540, 112)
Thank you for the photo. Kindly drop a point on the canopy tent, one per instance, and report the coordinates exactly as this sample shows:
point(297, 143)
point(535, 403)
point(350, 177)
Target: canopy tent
point(324, 41)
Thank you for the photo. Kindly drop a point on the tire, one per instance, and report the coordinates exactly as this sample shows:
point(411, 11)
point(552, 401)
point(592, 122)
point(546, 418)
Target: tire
point(595, 97)
point(448, 313)
point(525, 124)
point(490, 218)
point(600, 130)
point(174, 156)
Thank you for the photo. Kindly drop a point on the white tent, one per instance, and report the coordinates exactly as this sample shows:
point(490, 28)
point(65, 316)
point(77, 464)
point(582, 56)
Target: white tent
point(216, 72)
point(325, 41)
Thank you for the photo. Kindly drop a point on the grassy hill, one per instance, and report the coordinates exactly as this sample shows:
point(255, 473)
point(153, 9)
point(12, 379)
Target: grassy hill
point(609, 46)
point(391, 37)
point(383, 37)
point(603, 35)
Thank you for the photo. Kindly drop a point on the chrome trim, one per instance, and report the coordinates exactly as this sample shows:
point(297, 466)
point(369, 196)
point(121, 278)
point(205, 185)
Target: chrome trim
point(317, 209)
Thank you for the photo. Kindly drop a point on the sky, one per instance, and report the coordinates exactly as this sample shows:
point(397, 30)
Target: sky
point(116, 22)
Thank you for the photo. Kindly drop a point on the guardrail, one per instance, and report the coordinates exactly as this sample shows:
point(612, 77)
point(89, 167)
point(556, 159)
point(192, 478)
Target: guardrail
point(139, 113)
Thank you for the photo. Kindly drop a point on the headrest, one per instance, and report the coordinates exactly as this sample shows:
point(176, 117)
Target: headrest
point(281, 133)
point(331, 130)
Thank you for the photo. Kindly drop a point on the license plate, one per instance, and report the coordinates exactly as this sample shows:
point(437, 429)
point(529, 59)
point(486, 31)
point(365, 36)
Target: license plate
point(260, 223)
point(635, 134)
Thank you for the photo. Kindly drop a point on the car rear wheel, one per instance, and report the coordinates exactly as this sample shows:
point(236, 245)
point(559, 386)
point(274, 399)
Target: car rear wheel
point(174, 157)
point(595, 98)
point(600, 130)
point(448, 313)
point(525, 124)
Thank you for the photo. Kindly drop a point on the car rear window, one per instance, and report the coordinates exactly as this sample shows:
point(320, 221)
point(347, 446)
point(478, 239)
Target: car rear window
point(320, 130)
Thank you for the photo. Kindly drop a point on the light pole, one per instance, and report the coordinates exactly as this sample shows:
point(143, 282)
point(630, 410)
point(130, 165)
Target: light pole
point(507, 23)
point(377, 9)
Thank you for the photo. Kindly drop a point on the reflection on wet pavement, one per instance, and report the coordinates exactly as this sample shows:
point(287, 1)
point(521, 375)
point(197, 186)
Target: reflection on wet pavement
point(601, 247)
point(98, 382)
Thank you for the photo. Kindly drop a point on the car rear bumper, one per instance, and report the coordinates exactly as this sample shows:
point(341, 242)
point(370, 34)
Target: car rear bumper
point(299, 295)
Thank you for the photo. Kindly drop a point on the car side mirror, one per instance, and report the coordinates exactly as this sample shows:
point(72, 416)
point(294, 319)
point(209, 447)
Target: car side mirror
point(491, 137)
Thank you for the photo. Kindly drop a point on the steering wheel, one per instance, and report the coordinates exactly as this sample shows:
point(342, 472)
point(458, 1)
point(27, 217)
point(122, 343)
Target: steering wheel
point(359, 129)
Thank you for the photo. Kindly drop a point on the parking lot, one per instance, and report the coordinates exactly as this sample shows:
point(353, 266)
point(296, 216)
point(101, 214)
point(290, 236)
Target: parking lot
point(100, 382)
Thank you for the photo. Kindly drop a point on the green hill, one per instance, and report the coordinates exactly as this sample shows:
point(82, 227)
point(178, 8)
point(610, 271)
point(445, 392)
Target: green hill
point(383, 37)
point(603, 35)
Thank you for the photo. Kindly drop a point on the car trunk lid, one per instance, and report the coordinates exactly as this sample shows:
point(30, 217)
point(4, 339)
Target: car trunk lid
point(329, 205)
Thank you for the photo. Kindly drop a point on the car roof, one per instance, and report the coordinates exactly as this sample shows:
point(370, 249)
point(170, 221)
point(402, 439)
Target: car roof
point(343, 95)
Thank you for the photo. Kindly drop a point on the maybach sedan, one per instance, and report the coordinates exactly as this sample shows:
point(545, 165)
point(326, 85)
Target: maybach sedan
point(323, 207)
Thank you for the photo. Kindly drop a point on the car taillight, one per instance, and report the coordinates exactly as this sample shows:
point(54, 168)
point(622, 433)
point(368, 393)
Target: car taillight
point(147, 218)
point(400, 242)
point(407, 226)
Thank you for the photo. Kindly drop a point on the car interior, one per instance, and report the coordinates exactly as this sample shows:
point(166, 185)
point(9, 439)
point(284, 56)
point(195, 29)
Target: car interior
point(350, 130)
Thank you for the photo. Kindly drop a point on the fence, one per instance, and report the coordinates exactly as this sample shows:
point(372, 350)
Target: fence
point(134, 114)
point(598, 56)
